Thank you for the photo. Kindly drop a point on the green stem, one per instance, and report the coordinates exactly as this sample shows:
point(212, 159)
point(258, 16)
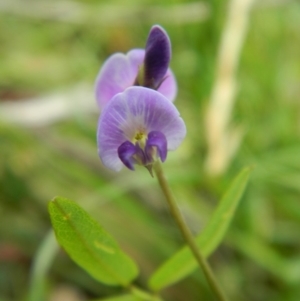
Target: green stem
point(187, 233)
point(142, 295)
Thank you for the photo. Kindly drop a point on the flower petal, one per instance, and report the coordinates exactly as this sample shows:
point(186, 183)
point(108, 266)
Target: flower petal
point(118, 73)
point(126, 151)
point(157, 57)
point(158, 140)
point(168, 88)
point(136, 109)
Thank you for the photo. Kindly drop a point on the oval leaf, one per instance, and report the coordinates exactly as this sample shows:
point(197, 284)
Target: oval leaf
point(89, 245)
point(183, 263)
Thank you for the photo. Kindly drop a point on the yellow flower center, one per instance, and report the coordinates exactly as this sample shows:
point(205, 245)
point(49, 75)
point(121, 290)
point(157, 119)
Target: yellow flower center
point(140, 137)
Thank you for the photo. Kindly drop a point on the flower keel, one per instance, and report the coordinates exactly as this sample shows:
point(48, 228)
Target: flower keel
point(126, 151)
point(144, 154)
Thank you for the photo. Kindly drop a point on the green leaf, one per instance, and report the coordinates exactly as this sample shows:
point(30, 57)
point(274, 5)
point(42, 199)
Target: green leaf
point(183, 263)
point(89, 245)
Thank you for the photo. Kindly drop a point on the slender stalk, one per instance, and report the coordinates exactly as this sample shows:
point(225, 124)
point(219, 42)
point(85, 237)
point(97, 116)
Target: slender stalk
point(187, 235)
point(142, 295)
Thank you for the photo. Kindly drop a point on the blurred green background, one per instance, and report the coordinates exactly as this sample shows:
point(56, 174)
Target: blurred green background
point(50, 54)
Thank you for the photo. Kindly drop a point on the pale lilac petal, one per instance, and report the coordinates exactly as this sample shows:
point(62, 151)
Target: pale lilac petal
point(136, 109)
point(168, 88)
point(136, 58)
point(118, 73)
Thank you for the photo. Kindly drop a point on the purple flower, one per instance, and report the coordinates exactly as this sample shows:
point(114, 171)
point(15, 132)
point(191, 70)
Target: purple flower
point(138, 126)
point(139, 67)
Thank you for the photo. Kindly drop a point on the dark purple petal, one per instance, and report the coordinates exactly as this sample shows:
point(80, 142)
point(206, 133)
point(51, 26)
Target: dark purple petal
point(158, 140)
point(157, 57)
point(126, 151)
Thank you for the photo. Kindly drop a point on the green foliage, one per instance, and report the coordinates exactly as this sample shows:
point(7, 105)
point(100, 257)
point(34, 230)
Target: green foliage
point(183, 263)
point(89, 245)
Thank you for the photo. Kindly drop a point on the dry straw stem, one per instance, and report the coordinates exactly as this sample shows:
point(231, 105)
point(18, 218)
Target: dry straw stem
point(222, 141)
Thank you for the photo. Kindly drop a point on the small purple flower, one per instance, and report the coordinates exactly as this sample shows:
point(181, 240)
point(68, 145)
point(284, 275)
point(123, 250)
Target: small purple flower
point(148, 68)
point(138, 126)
